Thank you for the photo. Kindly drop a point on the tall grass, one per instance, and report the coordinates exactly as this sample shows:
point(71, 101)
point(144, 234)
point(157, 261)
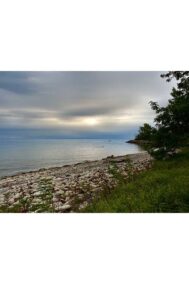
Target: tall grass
point(164, 188)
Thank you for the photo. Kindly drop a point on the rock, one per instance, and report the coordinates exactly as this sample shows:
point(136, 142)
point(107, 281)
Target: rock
point(37, 201)
point(173, 152)
point(78, 182)
point(11, 201)
point(67, 199)
point(68, 193)
point(156, 149)
point(37, 193)
point(64, 207)
point(16, 196)
point(55, 199)
point(60, 192)
point(83, 205)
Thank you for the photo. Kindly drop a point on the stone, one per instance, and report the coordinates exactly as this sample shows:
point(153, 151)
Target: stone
point(71, 183)
point(36, 201)
point(55, 199)
point(17, 195)
point(37, 193)
point(83, 205)
point(64, 207)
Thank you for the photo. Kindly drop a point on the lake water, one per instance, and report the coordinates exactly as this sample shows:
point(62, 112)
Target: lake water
point(17, 155)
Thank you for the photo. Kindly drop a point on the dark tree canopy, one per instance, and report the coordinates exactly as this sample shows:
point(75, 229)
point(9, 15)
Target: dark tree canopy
point(175, 116)
point(145, 132)
point(172, 121)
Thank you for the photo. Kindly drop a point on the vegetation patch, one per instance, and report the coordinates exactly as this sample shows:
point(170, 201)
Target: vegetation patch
point(163, 188)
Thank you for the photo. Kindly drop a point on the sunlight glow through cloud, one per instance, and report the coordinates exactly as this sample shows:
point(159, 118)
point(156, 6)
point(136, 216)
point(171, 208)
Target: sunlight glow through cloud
point(80, 102)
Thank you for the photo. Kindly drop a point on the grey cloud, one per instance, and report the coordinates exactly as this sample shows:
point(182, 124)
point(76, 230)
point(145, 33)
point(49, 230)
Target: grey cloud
point(28, 98)
point(17, 82)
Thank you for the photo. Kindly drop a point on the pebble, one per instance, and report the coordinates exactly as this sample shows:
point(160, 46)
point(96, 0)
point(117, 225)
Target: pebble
point(64, 207)
point(79, 182)
point(37, 193)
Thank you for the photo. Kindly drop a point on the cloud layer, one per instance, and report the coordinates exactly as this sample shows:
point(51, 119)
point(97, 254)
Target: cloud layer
point(78, 103)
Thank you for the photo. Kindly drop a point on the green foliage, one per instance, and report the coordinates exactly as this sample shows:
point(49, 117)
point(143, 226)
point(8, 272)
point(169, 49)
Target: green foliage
point(172, 121)
point(164, 188)
point(113, 169)
point(146, 132)
point(46, 197)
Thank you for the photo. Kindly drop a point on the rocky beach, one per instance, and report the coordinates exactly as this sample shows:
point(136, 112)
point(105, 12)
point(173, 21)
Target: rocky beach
point(69, 188)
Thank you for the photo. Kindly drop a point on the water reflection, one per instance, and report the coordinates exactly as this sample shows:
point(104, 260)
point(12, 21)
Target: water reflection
point(22, 155)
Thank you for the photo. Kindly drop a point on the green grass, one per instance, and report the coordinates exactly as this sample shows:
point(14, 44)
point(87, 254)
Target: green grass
point(164, 188)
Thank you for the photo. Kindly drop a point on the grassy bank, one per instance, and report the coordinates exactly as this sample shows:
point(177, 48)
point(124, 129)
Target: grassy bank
point(164, 188)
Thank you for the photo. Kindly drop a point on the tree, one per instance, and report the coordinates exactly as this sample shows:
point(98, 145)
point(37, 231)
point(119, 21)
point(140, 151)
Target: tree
point(145, 132)
point(172, 121)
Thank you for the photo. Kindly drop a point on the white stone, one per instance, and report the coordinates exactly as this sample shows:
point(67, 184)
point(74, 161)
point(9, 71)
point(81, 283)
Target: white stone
point(37, 193)
point(64, 207)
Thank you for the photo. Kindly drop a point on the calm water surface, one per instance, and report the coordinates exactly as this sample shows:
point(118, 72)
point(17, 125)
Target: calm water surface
point(17, 155)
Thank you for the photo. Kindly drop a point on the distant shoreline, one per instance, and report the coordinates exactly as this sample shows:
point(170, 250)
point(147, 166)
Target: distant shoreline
point(138, 142)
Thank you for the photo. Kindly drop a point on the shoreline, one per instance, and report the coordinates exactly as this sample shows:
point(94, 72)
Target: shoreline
point(80, 182)
point(64, 166)
point(138, 142)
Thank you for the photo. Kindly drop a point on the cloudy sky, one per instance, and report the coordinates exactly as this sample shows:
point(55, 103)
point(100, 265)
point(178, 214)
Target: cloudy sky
point(79, 104)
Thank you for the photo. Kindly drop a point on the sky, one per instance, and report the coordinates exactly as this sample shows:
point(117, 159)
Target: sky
point(79, 104)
